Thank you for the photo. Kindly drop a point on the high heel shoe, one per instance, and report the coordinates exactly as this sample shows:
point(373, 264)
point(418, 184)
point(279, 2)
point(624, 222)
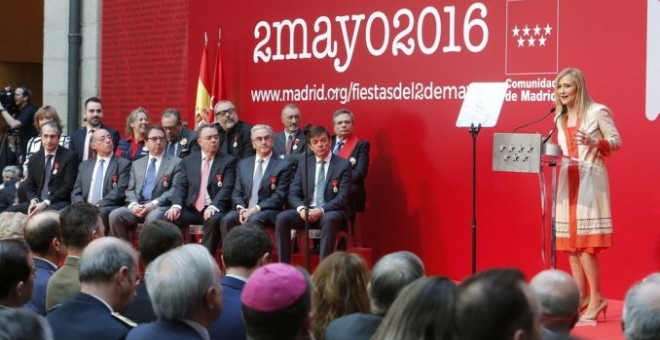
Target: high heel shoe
point(591, 318)
point(584, 303)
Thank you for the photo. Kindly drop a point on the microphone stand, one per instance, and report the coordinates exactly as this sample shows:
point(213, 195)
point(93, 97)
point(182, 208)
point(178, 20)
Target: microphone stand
point(474, 131)
point(306, 192)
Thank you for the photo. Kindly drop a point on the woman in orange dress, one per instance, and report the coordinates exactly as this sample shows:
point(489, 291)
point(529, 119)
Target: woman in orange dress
point(587, 135)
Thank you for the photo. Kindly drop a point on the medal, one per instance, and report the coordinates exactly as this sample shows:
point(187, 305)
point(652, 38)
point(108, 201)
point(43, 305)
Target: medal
point(273, 179)
point(334, 186)
point(236, 141)
point(114, 181)
point(219, 178)
point(55, 167)
point(165, 184)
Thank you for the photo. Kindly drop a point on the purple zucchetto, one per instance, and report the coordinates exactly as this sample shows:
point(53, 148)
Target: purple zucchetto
point(273, 287)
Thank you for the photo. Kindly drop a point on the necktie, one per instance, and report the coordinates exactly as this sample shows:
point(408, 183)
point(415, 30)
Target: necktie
point(90, 152)
point(256, 183)
point(201, 193)
point(149, 181)
point(289, 142)
point(320, 185)
point(171, 148)
point(47, 176)
point(338, 147)
point(97, 190)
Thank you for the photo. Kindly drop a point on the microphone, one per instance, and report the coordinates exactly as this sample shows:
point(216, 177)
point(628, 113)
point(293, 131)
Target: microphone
point(536, 121)
point(555, 128)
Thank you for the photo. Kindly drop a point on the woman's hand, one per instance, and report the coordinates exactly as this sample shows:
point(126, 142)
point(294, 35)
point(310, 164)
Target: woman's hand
point(583, 138)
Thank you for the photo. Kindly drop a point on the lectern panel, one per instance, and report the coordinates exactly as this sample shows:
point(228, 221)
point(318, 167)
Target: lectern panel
point(517, 152)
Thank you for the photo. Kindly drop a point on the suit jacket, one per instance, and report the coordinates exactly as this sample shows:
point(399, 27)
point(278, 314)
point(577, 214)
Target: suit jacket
point(65, 166)
point(360, 170)
point(8, 195)
point(166, 179)
point(237, 141)
point(230, 325)
point(186, 143)
point(44, 270)
point(85, 317)
point(125, 146)
point(358, 326)
point(297, 154)
point(141, 310)
point(273, 188)
point(163, 329)
point(338, 176)
point(115, 181)
point(64, 283)
point(223, 170)
point(78, 139)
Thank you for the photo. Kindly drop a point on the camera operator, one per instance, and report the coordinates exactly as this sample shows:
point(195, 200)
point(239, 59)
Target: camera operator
point(24, 122)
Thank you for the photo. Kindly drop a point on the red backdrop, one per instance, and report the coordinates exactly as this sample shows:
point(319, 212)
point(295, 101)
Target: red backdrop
point(405, 64)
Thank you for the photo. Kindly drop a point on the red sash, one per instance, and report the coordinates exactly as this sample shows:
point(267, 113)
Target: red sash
point(347, 149)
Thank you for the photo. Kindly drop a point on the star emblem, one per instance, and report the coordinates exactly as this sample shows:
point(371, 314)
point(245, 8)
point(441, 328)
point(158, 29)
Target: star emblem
point(526, 30)
point(547, 29)
point(537, 30)
point(515, 31)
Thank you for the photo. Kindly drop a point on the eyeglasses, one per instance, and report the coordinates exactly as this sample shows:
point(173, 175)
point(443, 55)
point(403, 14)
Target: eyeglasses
point(156, 139)
point(261, 139)
point(226, 112)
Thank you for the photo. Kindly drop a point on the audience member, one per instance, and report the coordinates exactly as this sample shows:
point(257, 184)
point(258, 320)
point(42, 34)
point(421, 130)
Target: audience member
point(234, 133)
point(641, 310)
point(12, 226)
point(559, 297)
point(9, 186)
point(186, 305)
point(150, 187)
point(17, 268)
point(496, 304)
point(388, 277)
point(290, 144)
point(133, 146)
point(262, 184)
point(80, 139)
point(102, 180)
point(421, 311)
point(276, 303)
point(43, 234)
point(24, 119)
point(203, 192)
point(51, 174)
point(22, 324)
point(339, 288)
point(329, 185)
point(108, 271)
point(180, 140)
point(44, 114)
point(244, 250)
point(156, 238)
point(80, 224)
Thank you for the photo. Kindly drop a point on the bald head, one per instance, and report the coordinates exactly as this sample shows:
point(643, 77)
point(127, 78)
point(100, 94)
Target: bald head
point(559, 297)
point(42, 232)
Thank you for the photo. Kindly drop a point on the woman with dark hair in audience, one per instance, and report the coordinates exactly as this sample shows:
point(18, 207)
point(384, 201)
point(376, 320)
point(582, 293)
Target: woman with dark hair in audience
point(132, 147)
point(421, 311)
point(339, 287)
point(44, 114)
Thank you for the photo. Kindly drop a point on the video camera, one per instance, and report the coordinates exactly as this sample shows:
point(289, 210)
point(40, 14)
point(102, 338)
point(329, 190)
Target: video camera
point(7, 100)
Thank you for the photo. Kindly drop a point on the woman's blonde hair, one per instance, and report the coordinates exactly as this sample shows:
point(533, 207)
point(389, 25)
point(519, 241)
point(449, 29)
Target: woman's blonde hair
point(46, 112)
point(132, 117)
point(582, 99)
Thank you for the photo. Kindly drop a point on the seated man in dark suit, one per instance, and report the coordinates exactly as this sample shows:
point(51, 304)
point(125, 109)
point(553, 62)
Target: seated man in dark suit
point(262, 184)
point(290, 143)
point(203, 192)
point(9, 186)
point(559, 296)
point(156, 238)
point(108, 271)
point(323, 200)
point(51, 176)
point(80, 139)
point(42, 233)
point(17, 268)
point(234, 133)
point(186, 305)
point(102, 180)
point(345, 144)
point(389, 276)
point(243, 251)
point(179, 139)
point(150, 187)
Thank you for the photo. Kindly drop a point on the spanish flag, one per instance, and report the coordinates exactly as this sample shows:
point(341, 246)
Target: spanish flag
point(218, 92)
point(203, 100)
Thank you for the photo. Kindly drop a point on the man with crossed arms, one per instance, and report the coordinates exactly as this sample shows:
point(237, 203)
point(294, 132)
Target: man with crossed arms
point(203, 193)
point(150, 187)
point(262, 184)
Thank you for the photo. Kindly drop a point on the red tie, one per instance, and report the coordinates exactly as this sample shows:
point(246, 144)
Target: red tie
point(201, 195)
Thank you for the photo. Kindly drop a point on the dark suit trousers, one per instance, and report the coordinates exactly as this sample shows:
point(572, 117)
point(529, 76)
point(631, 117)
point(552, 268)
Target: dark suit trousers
point(263, 218)
point(211, 235)
point(330, 223)
point(23, 207)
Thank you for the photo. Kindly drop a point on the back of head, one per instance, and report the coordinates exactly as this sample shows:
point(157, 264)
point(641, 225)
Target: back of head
point(12, 226)
point(390, 274)
point(641, 311)
point(493, 305)
point(559, 297)
point(23, 324)
point(174, 295)
point(339, 287)
point(244, 247)
point(14, 266)
point(276, 302)
point(41, 229)
point(156, 238)
point(103, 258)
point(78, 222)
point(421, 311)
